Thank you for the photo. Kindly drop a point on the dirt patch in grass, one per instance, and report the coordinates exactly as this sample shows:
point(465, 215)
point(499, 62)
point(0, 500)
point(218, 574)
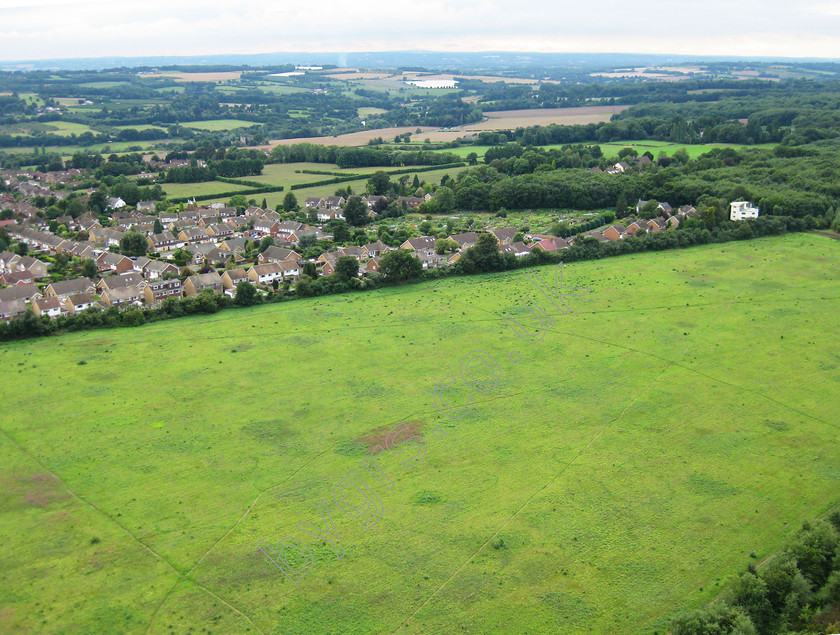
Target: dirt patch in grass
point(379, 436)
point(45, 489)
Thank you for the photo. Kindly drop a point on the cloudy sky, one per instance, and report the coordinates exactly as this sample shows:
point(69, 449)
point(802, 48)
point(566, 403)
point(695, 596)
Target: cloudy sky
point(41, 29)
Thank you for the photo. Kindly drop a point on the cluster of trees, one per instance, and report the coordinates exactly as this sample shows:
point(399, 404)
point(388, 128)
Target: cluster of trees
point(797, 590)
point(227, 168)
point(777, 183)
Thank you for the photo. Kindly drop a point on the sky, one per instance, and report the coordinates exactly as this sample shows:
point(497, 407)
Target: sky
point(47, 29)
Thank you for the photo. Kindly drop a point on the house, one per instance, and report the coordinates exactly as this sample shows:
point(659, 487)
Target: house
point(220, 230)
point(165, 241)
point(232, 277)
point(66, 288)
point(238, 223)
point(375, 249)
point(167, 218)
point(423, 245)
point(199, 282)
point(356, 252)
point(329, 268)
point(687, 211)
point(78, 302)
point(288, 228)
point(673, 221)
point(329, 256)
point(123, 296)
point(504, 236)
point(551, 244)
point(615, 232)
point(264, 227)
point(290, 269)
point(10, 309)
point(430, 261)
point(518, 249)
point(593, 234)
point(140, 263)
point(26, 292)
point(656, 224)
point(375, 201)
point(146, 206)
point(115, 203)
point(106, 236)
point(160, 289)
point(156, 269)
point(465, 240)
point(414, 201)
point(334, 202)
point(265, 274)
point(662, 207)
point(277, 254)
point(371, 266)
point(635, 226)
point(128, 279)
point(742, 210)
point(234, 245)
point(14, 278)
point(51, 307)
point(194, 235)
point(114, 262)
point(327, 214)
point(314, 201)
point(209, 253)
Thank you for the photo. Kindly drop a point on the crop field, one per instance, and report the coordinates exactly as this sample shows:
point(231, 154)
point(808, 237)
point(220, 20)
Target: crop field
point(622, 468)
point(220, 76)
point(352, 138)
point(218, 124)
point(178, 190)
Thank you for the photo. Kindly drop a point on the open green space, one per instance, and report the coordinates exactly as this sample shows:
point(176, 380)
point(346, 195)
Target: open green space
point(623, 468)
point(180, 190)
point(657, 148)
point(218, 124)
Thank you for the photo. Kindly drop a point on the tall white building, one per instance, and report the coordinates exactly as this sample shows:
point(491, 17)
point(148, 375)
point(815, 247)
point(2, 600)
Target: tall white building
point(742, 210)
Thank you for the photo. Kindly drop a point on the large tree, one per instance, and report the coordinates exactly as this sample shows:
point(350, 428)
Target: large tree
point(400, 265)
point(379, 182)
point(290, 202)
point(346, 267)
point(356, 211)
point(133, 244)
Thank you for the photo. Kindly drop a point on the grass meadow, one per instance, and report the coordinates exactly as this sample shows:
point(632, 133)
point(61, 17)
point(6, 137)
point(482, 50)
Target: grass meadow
point(623, 468)
point(218, 124)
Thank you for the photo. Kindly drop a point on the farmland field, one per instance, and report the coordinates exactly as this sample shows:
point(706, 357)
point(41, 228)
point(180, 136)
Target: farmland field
point(681, 416)
point(178, 190)
point(218, 124)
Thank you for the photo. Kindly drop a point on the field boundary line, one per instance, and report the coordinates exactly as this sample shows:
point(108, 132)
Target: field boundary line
point(146, 547)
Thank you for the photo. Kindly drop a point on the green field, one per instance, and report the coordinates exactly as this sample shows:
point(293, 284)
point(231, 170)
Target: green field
point(286, 174)
point(682, 416)
point(658, 147)
point(218, 124)
point(179, 190)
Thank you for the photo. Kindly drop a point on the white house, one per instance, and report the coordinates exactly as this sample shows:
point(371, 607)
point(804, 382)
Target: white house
point(742, 210)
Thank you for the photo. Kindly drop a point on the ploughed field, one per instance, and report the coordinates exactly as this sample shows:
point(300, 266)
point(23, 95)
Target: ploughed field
point(682, 415)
